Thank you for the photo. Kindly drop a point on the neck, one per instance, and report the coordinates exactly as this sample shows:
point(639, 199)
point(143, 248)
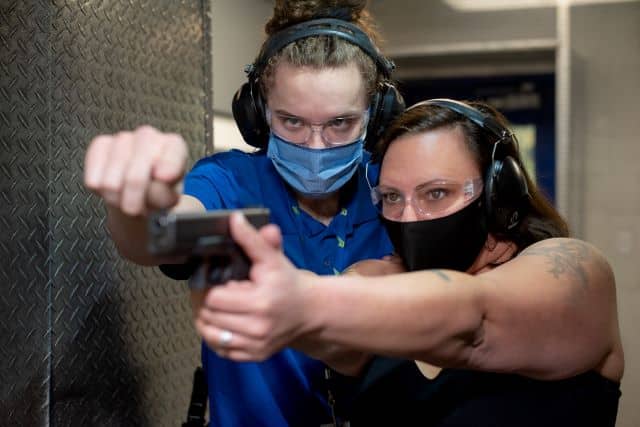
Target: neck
point(322, 209)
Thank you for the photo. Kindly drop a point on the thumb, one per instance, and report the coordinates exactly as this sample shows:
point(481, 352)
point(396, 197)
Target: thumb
point(160, 195)
point(244, 234)
point(272, 235)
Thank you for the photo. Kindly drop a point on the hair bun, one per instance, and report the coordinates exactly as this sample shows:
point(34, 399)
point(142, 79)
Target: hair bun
point(343, 13)
point(290, 12)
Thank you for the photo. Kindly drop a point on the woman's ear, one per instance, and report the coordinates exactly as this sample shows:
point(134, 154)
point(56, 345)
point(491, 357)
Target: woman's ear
point(494, 252)
point(490, 243)
point(500, 251)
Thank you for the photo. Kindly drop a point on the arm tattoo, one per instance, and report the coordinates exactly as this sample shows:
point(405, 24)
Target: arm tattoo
point(564, 257)
point(441, 274)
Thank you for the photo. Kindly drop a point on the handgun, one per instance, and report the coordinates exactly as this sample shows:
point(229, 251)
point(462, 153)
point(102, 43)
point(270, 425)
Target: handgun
point(204, 240)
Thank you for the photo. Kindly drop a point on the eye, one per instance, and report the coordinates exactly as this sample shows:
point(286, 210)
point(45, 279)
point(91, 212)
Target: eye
point(291, 122)
point(428, 194)
point(342, 123)
point(391, 197)
point(437, 194)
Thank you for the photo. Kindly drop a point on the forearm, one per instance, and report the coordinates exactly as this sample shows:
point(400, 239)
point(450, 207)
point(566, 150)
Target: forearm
point(342, 359)
point(129, 233)
point(433, 316)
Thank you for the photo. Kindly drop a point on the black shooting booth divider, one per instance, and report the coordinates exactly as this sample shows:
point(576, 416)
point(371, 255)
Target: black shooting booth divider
point(87, 339)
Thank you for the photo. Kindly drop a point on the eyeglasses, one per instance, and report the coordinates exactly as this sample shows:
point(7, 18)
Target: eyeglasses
point(334, 132)
point(431, 200)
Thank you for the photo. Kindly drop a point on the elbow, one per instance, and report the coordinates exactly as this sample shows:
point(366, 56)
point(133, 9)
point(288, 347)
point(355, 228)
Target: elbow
point(461, 348)
point(475, 346)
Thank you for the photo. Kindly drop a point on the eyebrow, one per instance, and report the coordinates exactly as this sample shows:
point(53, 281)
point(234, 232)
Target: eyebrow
point(339, 116)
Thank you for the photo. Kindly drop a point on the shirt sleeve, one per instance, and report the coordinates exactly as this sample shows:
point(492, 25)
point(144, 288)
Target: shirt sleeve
point(204, 182)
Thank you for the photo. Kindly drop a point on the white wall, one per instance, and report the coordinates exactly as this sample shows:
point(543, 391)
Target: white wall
point(226, 135)
point(237, 34)
point(413, 24)
point(605, 89)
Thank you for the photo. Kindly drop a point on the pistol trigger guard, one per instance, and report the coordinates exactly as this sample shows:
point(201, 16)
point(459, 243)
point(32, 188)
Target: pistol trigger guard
point(198, 280)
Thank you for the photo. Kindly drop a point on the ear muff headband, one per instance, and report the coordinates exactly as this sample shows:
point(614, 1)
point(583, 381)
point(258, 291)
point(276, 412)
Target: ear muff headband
point(320, 27)
point(473, 114)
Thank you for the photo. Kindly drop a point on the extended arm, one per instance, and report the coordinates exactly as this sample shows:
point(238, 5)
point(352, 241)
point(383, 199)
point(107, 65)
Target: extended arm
point(548, 313)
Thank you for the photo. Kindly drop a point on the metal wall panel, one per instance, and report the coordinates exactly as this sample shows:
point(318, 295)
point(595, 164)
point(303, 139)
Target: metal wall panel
point(24, 217)
point(90, 339)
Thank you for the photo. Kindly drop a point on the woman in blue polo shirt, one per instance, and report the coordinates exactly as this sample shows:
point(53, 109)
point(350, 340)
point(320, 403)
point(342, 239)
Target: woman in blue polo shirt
point(317, 92)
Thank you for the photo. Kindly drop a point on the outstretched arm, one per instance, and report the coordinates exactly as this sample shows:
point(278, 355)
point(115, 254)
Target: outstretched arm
point(549, 313)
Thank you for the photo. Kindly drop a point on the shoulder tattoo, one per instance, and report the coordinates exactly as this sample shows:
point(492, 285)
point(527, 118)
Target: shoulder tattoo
point(441, 274)
point(565, 256)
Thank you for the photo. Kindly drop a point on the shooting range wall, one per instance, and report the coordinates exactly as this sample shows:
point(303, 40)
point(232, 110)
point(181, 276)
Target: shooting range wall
point(87, 339)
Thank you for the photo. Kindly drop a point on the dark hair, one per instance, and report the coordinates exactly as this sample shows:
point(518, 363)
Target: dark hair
point(542, 220)
point(322, 51)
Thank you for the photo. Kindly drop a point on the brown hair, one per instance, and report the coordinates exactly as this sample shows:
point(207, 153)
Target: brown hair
point(542, 220)
point(322, 51)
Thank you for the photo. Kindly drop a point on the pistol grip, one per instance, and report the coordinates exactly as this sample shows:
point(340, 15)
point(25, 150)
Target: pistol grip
point(219, 269)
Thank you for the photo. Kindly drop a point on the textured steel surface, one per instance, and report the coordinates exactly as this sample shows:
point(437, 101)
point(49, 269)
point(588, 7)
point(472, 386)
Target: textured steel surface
point(24, 218)
point(87, 338)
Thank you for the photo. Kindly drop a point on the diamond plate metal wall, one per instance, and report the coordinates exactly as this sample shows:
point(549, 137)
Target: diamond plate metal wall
point(24, 219)
point(85, 337)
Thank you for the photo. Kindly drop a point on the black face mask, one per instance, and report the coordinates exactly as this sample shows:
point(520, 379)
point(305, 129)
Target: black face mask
point(452, 242)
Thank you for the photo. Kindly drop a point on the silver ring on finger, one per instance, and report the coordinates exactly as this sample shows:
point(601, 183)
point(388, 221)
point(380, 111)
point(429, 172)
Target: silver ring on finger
point(225, 338)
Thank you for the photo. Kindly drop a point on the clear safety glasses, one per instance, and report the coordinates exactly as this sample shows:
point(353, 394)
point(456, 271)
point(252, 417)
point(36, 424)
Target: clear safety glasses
point(430, 200)
point(334, 132)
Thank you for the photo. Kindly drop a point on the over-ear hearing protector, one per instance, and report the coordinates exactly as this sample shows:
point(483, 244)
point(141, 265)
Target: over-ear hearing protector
point(248, 106)
point(505, 189)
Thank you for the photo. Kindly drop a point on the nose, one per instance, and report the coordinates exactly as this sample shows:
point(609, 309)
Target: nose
point(409, 213)
point(315, 139)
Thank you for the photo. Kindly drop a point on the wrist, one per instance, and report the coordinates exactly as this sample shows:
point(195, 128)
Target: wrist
point(312, 304)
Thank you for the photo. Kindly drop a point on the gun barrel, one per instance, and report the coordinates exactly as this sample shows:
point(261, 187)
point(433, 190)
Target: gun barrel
point(189, 234)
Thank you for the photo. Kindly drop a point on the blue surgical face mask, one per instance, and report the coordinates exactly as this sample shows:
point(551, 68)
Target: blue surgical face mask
point(314, 172)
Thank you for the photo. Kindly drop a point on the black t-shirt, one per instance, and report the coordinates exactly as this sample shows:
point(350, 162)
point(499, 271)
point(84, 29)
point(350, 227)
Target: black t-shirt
point(394, 392)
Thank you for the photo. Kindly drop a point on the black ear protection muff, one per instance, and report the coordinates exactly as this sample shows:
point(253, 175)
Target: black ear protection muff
point(248, 106)
point(505, 189)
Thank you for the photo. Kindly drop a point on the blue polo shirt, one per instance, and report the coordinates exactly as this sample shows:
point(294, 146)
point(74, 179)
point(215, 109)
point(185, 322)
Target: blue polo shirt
point(289, 388)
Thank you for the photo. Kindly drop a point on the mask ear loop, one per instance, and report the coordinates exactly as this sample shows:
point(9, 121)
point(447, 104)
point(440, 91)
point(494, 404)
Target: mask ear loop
point(366, 174)
point(372, 191)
